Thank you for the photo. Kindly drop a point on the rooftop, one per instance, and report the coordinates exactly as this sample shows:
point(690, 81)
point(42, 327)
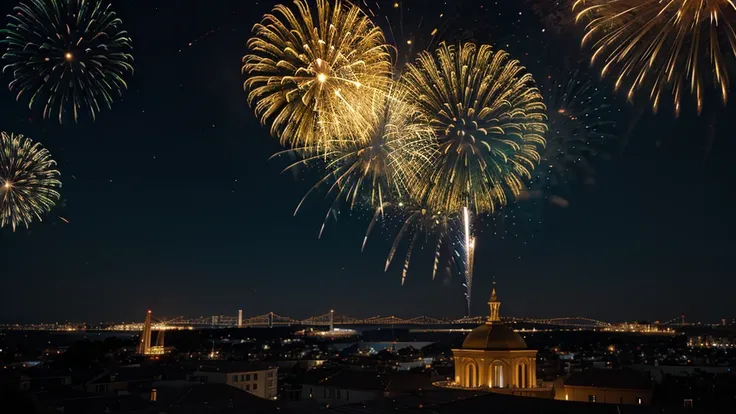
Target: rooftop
point(233, 366)
point(494, 336)
point(209, 398)
point(367, 380)
point(445, 402)
point(607, 378)
point(78, 402)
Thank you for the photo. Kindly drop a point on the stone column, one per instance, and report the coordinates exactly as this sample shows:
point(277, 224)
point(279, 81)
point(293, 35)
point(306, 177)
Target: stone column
point(524, 370)
point(532, 373)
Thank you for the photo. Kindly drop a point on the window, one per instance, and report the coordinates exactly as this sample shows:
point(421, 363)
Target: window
point(269, 375)
point(247, 377)
point(347, 395)
point(247, 387)
point(620, 400)
point(235, 378)
point(638, 400)
point(591, 398)
point(688, 402)
point(255, 377)
point(242, 377)
point(255, 387)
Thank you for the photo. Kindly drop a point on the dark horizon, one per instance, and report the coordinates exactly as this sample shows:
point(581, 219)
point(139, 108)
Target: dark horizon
point(174, 206)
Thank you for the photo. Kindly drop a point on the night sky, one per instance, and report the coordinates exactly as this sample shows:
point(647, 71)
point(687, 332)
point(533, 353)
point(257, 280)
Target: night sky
point(174, 206)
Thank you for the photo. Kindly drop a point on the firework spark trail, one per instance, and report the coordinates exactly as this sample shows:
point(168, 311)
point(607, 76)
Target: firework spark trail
point(420, 221)
point(469, 250)
point(202, 37)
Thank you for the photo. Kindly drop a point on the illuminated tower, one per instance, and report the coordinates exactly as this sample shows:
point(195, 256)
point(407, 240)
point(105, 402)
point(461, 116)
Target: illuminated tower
point(240, 318)
point(495, 305)
point(144, 347)
point(160, 339)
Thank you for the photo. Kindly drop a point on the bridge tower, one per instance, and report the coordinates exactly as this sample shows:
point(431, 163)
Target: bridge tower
point(332, 320)
point(270, 319)
point(144, 346)
point(160, 338)
point(240, 318)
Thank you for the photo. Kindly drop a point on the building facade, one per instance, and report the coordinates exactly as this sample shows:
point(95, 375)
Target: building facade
point(606, 386)
point(605, 395)
point(259, 381)
point(494, 356)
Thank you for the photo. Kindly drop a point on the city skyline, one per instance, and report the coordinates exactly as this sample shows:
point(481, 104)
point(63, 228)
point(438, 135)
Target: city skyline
point(275, 319)
point(169, 202)
point(257, 319)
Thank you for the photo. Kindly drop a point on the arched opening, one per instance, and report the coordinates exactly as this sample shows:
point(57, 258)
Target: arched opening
point(521, 376)
point(496, 375)
point(471, 375)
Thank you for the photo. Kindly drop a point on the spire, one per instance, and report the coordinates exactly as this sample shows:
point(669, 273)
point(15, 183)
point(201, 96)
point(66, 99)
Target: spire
point(495, 306)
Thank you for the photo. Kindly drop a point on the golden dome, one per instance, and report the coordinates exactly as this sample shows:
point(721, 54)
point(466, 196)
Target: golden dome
point(494, 336)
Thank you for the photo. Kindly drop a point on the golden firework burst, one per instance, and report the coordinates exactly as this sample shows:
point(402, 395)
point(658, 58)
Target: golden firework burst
point(665, 46)
point(489, 120)
point(310, 71)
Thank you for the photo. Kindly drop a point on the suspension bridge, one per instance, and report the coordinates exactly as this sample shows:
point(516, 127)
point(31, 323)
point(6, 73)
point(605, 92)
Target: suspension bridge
point(332, 319)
